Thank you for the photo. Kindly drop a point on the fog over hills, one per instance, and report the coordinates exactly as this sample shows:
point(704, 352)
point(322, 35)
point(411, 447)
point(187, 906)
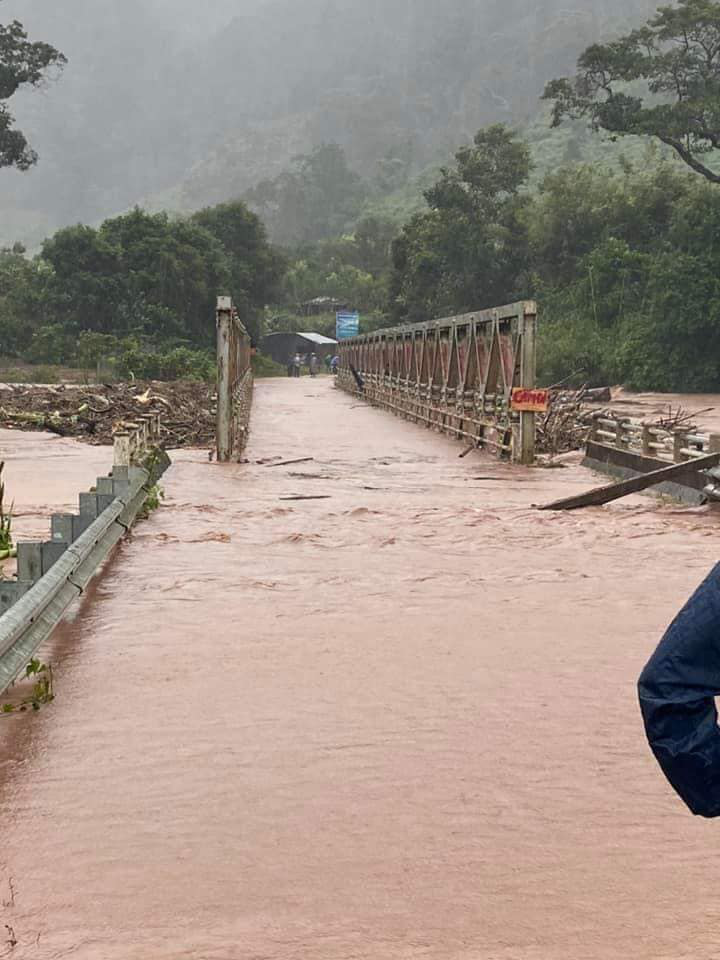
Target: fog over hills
point(182, 104)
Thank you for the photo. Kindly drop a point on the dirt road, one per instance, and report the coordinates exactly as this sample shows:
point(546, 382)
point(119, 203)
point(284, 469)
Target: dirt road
point(399, 723)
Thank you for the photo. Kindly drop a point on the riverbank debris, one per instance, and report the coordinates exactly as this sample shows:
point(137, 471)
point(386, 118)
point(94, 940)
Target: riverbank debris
point(566, 425)
point(92, 413)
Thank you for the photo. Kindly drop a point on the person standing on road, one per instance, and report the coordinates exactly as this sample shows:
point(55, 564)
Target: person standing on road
point(313, 365)
point(334, 364)
point(297, 362)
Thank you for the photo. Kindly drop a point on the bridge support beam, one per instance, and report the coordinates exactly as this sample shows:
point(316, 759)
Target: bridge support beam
point(224, 377)
point(234, 382)
point(458, 375)
point(528, 366)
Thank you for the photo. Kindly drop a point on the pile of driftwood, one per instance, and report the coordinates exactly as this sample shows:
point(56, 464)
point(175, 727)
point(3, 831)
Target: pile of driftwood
point(566, 424)
point(91, 414)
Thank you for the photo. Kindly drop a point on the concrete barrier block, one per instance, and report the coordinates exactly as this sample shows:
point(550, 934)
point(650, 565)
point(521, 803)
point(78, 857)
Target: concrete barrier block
point(10, 593)
point(89, 505)
point(80, 524)
point(121, 480)
point(29, 562)
point(104, 500)
point(51, 553)
point(62, 528)
point(105, 486)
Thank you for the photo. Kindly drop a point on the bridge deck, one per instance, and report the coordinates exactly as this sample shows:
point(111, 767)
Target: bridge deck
point(396, 723)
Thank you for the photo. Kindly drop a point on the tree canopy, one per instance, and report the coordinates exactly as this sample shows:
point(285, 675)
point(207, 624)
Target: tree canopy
point(467, 250)
point(662, 81)
point(315, 200)
point(22, 63)
point(255, 268)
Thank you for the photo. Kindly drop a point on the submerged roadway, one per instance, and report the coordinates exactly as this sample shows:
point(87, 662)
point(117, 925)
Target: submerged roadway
point(399, 722)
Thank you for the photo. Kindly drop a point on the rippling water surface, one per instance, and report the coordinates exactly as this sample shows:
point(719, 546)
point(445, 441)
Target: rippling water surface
point(396, 723)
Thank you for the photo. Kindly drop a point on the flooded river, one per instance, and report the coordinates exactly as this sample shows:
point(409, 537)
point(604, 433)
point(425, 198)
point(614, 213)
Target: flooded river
point(399, 723)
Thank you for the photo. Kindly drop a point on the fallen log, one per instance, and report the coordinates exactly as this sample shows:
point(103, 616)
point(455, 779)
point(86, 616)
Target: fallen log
point(614, 491)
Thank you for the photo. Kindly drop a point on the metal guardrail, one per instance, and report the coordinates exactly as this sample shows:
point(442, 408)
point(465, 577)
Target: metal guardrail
point(31, 620)
point(53, 574)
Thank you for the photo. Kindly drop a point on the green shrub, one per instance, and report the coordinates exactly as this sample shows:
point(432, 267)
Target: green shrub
point(265, 367)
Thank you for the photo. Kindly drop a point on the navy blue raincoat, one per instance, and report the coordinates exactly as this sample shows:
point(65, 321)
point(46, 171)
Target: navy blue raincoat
point(677, 698)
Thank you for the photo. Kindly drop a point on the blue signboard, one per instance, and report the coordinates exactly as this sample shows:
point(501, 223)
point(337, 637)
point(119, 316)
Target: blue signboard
point(347, 325)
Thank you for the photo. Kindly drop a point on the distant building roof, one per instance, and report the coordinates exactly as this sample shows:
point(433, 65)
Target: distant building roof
point(323, 301)
point(317, 338)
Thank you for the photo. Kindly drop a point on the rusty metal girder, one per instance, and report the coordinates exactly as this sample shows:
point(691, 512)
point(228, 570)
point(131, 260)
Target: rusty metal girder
point(455, 374)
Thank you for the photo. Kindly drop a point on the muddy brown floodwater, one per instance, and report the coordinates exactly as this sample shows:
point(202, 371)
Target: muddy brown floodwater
point(397, 723)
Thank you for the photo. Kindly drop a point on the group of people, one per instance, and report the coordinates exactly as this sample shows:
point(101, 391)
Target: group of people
point(295, 363)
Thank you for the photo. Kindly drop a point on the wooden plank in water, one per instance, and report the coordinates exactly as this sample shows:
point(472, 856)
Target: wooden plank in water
point(614, 491)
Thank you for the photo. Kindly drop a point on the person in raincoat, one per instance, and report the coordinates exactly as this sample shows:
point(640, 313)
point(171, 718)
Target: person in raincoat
point(677, 692)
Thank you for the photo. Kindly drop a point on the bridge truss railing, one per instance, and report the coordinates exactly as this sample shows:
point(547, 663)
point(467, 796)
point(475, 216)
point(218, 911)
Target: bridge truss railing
point(234, 382)
point(457, 375)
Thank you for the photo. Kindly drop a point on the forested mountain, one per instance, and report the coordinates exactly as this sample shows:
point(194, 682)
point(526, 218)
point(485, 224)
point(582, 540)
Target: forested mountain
point(182, 105)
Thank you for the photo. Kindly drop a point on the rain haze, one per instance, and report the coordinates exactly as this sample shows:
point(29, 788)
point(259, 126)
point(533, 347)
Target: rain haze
point(359, 445)
point(174, 105)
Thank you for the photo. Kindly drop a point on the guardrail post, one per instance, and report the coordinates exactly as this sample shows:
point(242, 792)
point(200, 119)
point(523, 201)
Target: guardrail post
point(51, 553)
point(10, 592)
point(224, 384)
point(29, 562)
point(61, 528)
point(120, 480)
point(122, 449)
point(89, 505)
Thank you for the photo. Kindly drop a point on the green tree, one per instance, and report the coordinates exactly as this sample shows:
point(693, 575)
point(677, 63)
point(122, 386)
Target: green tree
point(661, 81)
point(256, 268)
point(318, 198)
point(22, 63)
point(469, 250)
point(172, 272)
point(140, 273)
point(86, 286)
point(22, 284)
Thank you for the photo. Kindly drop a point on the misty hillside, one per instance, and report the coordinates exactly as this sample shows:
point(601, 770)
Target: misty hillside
point(185, 104)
